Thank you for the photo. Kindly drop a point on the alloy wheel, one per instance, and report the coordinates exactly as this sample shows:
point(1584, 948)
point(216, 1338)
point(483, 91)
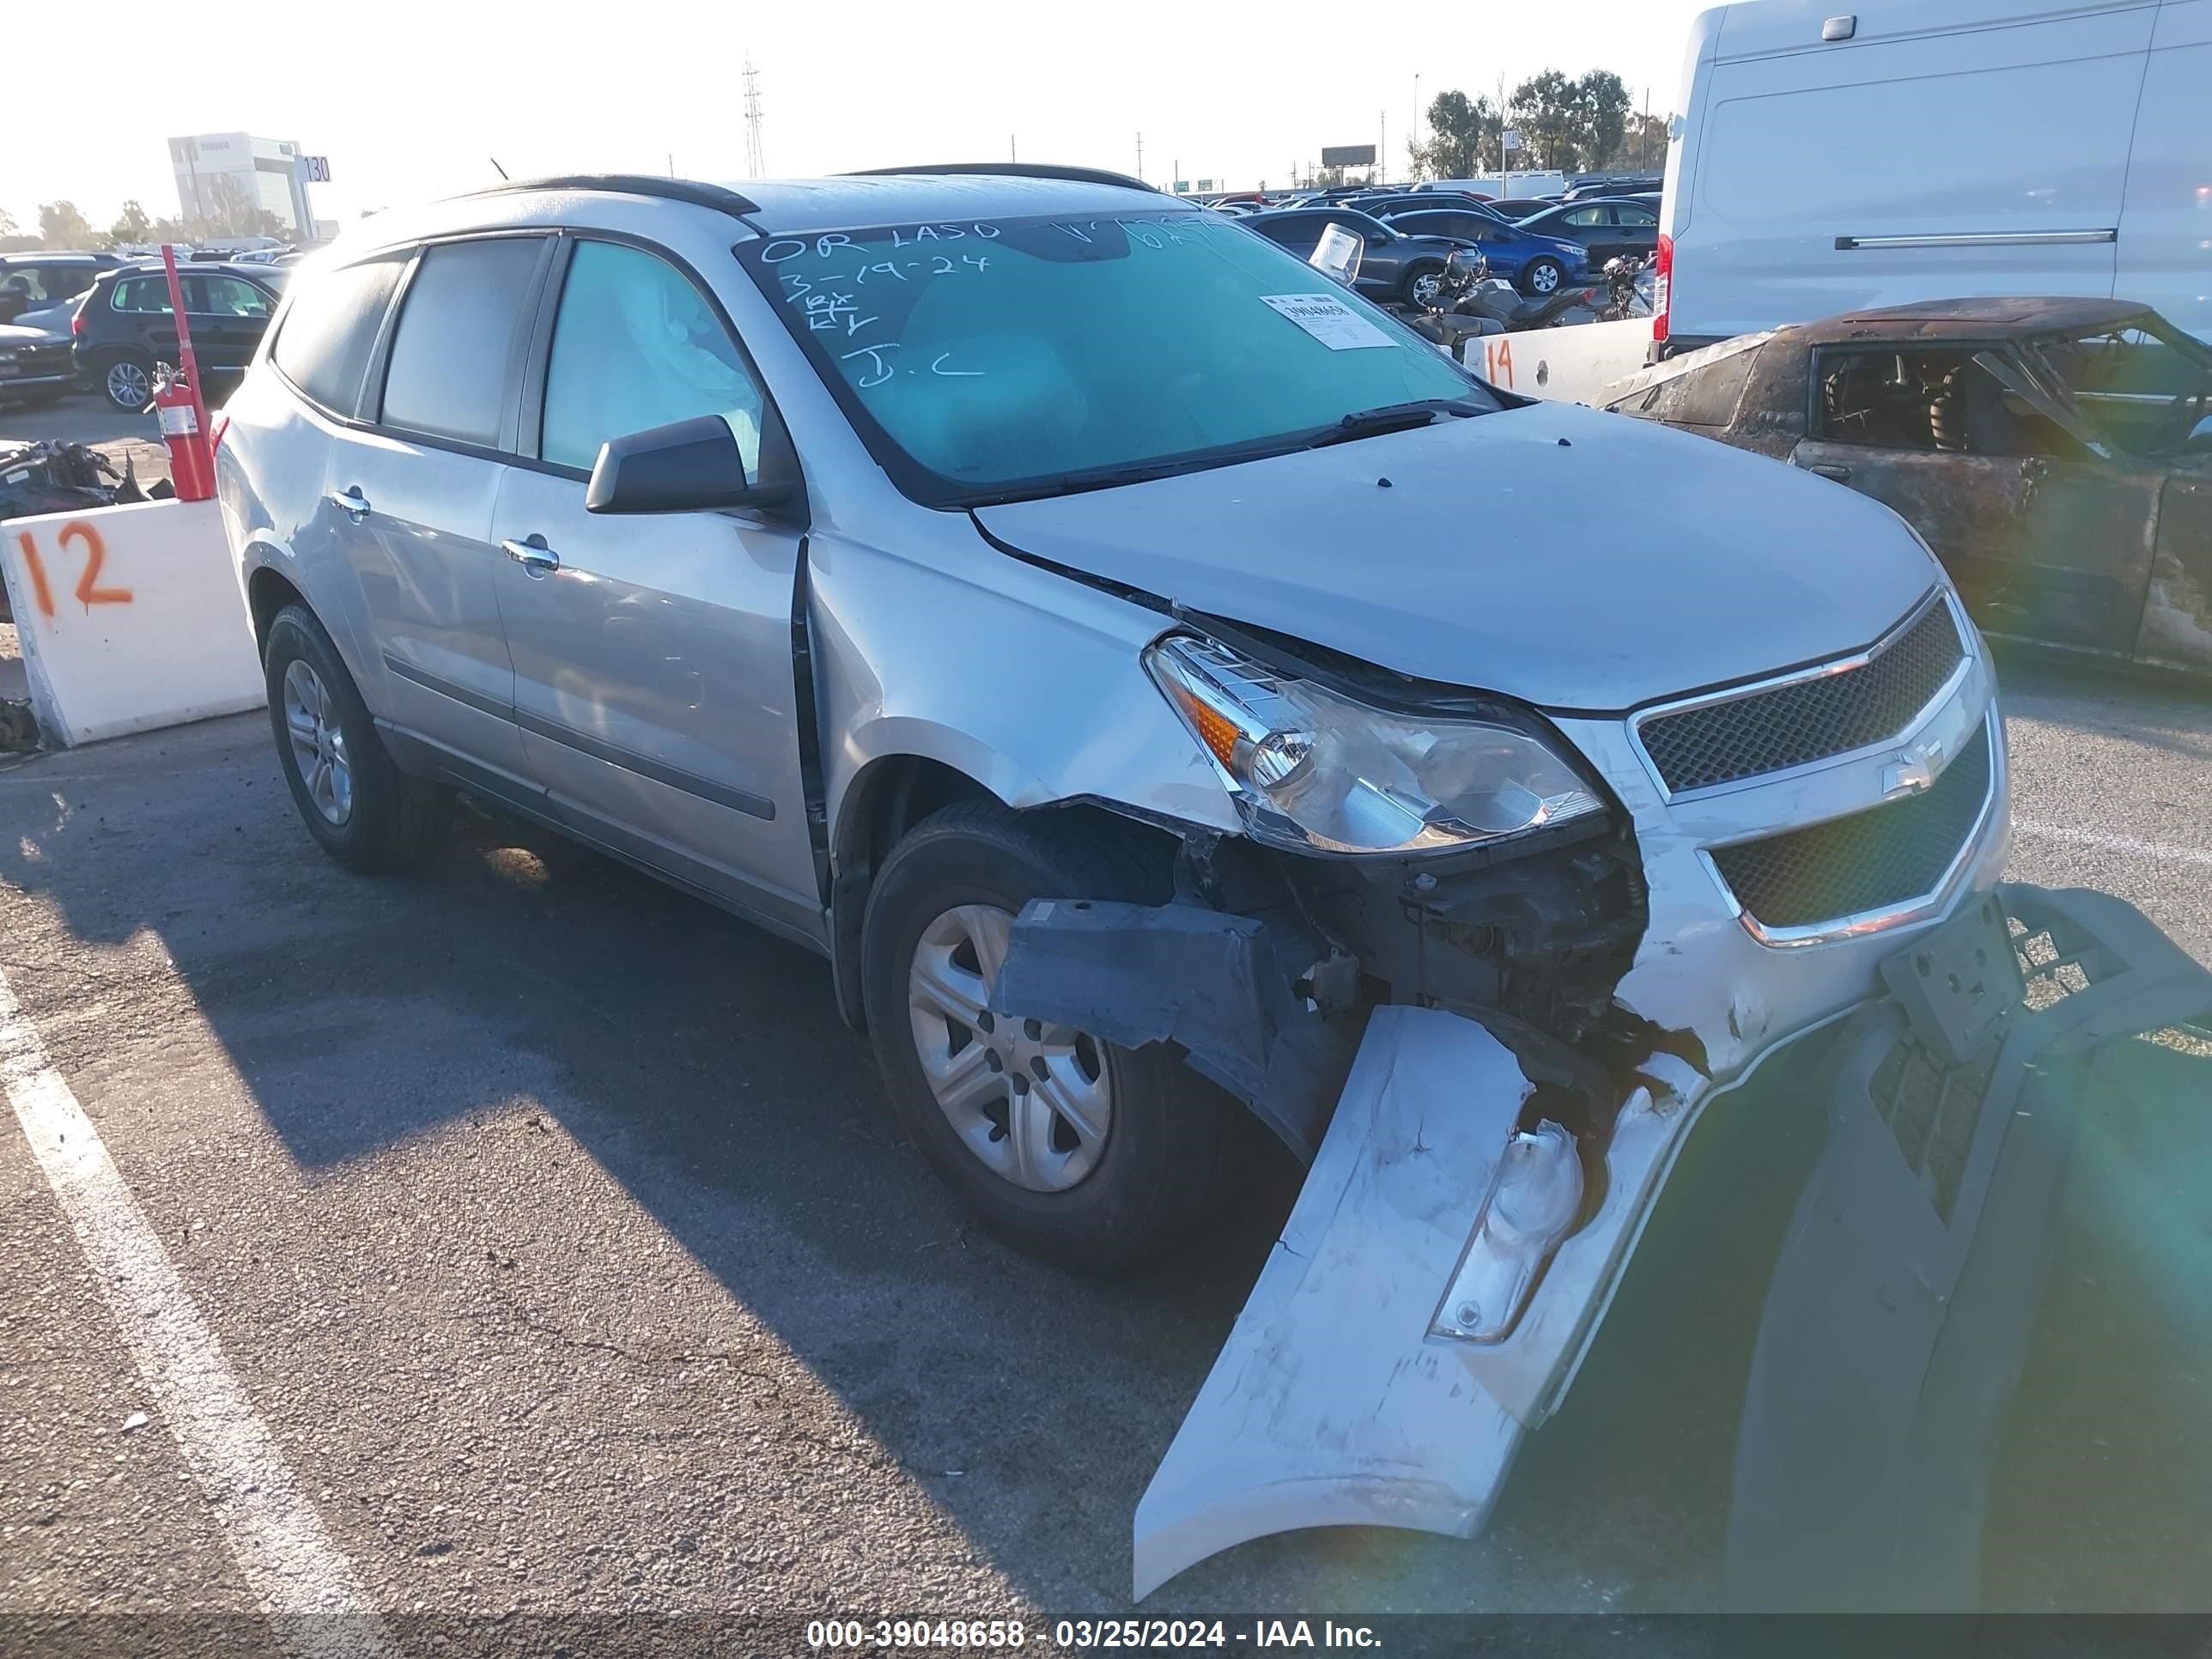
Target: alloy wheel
point(319, 745)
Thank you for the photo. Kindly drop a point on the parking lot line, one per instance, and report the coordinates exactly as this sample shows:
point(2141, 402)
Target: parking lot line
point(273, 1532)
point(2161, 851)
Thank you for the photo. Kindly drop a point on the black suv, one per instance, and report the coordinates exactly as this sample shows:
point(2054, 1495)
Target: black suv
point(32, 281)
point(124, 327)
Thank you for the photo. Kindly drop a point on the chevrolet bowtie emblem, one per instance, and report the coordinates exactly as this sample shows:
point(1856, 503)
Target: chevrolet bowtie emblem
point(1911, 771)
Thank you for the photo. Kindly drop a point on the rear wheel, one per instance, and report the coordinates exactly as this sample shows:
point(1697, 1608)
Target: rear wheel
point(128, 381)
point(1091, 1156)
point(365, 812)
point(1542, 277)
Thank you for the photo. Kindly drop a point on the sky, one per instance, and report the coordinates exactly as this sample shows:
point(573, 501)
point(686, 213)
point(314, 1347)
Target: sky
point(411, 99)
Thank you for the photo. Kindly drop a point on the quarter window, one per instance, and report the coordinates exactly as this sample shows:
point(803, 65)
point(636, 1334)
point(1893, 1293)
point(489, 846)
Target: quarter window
point(324, 346)
point(142, 293)
point(449, 374)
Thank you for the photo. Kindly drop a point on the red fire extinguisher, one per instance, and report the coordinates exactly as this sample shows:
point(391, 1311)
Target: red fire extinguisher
point(177, 398)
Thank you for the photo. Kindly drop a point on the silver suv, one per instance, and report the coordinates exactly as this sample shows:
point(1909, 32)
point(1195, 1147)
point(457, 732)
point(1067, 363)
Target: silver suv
point(1130, 658)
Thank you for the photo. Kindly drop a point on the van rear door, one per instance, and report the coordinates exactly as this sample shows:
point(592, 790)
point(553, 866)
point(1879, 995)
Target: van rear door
point(1970, 147)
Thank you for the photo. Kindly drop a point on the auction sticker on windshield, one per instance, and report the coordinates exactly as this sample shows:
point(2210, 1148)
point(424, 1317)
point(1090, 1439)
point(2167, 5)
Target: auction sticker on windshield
point(1329, 319)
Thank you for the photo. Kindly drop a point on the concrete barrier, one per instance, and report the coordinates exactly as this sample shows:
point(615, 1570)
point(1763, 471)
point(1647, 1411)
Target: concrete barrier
point(129, 618)
point(1569, 365)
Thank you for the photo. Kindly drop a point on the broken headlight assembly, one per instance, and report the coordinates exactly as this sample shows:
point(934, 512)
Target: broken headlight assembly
point(1314, 770)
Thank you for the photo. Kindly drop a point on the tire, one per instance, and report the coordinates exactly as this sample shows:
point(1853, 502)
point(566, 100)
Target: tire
point(389, 821)
point(1540, 278)
point(121, 372)
point(1153, 1174)
point(1416, 279)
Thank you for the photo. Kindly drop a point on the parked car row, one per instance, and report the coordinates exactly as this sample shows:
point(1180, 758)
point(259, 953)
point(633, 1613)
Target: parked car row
point(107, 333)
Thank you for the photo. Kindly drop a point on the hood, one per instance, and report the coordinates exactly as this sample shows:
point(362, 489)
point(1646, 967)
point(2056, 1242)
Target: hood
point(1571, 559)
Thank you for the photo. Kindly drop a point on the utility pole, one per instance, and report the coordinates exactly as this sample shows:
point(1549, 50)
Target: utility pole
point(756, 160)
point(1382, 145)
point(1643, 136)
point(1012, 153)
point(1140, 157)
point(1417, 128)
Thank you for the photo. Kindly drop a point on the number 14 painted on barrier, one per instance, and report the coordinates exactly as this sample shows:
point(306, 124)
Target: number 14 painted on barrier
point(88, 592)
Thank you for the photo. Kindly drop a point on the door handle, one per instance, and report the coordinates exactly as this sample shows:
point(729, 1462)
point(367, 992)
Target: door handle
point(532, 556)
point(351, 503)
point(1840, 474)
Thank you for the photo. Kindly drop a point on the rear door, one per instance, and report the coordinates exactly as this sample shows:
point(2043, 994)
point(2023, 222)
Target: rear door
point(408, 498)
point(654, 680)
point(228, 315)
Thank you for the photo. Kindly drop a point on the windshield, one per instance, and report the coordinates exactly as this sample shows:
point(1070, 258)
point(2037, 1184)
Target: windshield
point(1030, 356)
point(2146, 388)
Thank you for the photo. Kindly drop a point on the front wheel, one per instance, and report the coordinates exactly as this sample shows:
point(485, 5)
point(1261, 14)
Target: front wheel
point(1542, 277)
point(1093, 1156)
point(129, 383)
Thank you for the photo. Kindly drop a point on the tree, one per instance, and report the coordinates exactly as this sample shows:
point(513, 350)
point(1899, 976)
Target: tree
point(1459, 129)
point(60, 225)
point(1602, 104)
point(1548, 109)
point(1643, 146)
point(131, 227)
point(7, 222)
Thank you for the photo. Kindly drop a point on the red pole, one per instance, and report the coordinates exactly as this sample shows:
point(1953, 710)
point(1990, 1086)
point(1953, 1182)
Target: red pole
point(183, 408)
point(185, 361)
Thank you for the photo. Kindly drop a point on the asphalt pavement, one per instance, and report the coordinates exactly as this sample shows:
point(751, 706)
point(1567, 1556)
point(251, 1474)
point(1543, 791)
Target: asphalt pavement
point(563, 1258)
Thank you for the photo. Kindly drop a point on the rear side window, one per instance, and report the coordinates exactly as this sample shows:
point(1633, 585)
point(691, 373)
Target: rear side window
point(448, 376)
point(324, 346)
point(229, 296)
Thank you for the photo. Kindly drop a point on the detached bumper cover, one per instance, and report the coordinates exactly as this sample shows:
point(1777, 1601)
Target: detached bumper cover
point(1341, 1396)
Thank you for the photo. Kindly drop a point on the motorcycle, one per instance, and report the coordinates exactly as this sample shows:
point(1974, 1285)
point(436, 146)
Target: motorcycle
point(1629, 280)
point(1468, 303)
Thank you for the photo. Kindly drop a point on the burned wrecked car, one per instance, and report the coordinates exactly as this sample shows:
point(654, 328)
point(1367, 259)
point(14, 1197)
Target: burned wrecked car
point(2055, 454)
point(1100, 636)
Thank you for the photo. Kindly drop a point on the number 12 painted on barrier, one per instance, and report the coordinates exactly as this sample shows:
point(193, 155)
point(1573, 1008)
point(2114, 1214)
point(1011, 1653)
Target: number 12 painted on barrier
point(88, 592)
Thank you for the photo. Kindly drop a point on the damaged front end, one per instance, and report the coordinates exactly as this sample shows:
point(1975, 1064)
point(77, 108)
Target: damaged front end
point(1489, 1023)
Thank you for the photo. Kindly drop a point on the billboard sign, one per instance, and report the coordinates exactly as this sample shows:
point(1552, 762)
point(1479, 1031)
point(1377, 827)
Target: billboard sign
point(1348, 155)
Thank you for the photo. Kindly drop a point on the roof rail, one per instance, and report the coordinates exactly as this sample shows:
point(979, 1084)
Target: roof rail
point(720, 199)
point(1019, 170)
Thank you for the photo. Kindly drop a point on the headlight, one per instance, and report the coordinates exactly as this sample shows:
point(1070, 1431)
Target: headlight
point(1313, 769)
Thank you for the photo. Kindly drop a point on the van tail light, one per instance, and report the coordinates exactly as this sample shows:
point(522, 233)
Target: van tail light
point(76, 322)
point(1662, 287)
point(221, 426)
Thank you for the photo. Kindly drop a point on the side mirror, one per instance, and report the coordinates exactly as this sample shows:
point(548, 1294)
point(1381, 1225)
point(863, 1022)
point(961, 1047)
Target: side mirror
point(687, 466)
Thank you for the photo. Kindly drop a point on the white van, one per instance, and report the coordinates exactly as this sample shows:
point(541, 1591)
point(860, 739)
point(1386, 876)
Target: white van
point(1921, 150)
point(1508, 184)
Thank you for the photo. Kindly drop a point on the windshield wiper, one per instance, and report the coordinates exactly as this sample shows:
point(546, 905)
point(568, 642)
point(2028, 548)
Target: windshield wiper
point(1396, 417)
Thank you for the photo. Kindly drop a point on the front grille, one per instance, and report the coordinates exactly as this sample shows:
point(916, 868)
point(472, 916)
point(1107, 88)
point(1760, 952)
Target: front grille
point(1810, 720)
point(1869, 861)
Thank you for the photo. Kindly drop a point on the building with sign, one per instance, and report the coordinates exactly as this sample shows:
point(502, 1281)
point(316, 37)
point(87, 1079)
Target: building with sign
point(232, 184)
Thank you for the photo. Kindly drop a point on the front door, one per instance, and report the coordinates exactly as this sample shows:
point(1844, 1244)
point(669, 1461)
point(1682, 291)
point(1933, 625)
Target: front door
point(655, 682)
point(2046, 540)
point(409, 499)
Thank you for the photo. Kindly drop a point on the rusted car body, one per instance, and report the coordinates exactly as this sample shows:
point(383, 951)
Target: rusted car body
point(2055, 454)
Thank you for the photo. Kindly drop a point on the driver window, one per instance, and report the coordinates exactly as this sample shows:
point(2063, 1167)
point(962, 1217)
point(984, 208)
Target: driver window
point(1938, 402)
point(636, 346)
